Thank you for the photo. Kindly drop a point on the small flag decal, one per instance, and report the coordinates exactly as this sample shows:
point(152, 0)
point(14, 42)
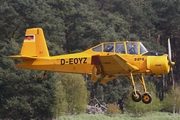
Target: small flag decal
point(29, 38)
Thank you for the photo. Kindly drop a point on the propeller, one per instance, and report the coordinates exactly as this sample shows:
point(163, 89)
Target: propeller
point(170, 60)
point(169, 57)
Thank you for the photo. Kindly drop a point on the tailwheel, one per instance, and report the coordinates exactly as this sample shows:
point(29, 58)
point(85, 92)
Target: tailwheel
point(136, 96)
point(39, 80)
point(146, 98)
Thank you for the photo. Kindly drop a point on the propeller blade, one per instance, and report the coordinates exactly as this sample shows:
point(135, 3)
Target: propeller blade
point(169, 50)
point(170, 54)
point(172, 77)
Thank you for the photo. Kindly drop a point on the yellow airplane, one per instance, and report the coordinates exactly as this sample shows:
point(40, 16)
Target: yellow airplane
point(104, 62)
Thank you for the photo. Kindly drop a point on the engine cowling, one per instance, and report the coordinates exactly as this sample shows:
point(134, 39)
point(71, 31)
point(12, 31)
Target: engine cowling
point(158, 64)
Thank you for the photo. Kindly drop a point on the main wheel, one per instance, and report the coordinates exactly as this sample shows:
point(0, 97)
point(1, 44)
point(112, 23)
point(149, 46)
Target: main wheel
point(146, 98)
point(136, 97)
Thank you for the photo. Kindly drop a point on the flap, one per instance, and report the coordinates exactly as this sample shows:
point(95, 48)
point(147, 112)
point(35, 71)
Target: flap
point(107, 79)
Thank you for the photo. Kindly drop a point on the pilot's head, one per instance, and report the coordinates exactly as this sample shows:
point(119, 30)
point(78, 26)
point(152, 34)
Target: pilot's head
point(132, 46)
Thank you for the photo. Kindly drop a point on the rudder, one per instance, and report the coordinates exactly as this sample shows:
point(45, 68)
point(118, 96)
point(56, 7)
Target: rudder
point(34, 43)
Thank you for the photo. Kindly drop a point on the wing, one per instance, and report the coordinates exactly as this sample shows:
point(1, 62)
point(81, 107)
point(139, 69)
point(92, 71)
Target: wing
point(109, 66)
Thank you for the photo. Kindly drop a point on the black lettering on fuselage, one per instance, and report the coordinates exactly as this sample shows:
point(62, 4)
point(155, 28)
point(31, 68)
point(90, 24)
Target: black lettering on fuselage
point(80, 60)
point(72, 61)
point(62, 61)
point(76, 61)
point(138, 59)
point(85, 61)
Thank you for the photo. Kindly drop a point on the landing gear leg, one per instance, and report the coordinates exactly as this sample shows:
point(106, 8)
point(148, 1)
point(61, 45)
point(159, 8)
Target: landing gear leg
point(141, 78)
point(136, 95)
point(39, 80)
point(146, 97)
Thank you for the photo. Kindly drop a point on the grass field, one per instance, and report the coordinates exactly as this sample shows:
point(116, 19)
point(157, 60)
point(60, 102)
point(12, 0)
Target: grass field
point(147, 116)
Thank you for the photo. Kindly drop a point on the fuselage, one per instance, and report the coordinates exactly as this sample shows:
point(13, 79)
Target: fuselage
point(82, 62)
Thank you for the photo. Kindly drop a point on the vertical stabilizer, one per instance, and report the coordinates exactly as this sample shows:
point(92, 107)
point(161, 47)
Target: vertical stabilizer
point(34, 43)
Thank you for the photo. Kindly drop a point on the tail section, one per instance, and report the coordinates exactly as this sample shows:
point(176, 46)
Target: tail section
point(34, 44)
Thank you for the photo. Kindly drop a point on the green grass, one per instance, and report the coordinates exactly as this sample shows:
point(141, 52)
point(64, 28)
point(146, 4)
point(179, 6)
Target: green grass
point(147, 116)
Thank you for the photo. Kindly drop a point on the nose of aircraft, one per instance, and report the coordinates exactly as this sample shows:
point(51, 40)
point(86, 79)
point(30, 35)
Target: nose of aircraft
point(159, 64)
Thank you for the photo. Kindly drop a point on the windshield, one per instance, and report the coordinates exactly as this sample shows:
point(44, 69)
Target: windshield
point(98, 48)
point(142, 49)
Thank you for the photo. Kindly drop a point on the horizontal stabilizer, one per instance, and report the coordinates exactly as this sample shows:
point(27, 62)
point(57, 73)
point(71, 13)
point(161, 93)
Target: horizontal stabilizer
point(22, 57)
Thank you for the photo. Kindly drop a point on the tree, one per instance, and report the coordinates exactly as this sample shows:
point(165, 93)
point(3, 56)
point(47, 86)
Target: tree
point(86, 25)
point(116, 90)
point(140, 17)
point(171, 102)
point(60, 105)
point(76, 93)
point(21, 97)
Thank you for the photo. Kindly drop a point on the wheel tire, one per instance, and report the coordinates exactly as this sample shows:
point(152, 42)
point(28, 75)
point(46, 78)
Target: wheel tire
point(137, 97)
point(146, 98)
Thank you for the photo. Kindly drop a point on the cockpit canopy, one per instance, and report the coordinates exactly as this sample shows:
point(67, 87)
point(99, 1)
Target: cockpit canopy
point(121, 47)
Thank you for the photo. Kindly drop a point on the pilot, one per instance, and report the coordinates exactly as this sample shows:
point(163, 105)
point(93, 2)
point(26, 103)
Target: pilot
point(108, 49)
point(132, 50)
